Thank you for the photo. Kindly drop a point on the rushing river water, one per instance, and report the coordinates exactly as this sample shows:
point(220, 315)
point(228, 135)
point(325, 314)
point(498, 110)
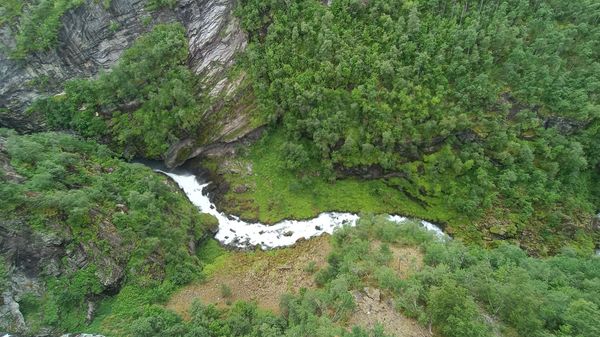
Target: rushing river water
point(235, 232)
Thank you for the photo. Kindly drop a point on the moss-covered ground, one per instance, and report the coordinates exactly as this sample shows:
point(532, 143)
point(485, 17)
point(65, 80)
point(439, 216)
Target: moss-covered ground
point(271, 192)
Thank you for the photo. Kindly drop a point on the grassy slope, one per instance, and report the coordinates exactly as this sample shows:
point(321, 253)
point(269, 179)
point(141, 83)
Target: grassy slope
point(276, 193)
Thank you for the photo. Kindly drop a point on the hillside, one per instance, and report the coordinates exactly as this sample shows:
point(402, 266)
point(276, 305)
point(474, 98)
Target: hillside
point(488, 107)
point(78, 224)
point(478, 117)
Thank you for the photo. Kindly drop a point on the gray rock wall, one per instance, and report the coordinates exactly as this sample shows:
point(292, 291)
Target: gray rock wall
point(92, 38)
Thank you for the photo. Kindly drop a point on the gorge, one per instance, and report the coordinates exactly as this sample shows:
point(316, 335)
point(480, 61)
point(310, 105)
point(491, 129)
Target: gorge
point(355, 119)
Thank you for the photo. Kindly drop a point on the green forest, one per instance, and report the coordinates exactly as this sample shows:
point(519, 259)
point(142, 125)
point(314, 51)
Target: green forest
point(492, 106)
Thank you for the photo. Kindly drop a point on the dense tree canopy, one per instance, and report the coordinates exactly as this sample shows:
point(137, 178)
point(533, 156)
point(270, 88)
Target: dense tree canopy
point(488, 104)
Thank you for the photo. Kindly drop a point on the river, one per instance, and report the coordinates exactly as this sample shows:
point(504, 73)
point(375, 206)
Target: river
point(235, 232)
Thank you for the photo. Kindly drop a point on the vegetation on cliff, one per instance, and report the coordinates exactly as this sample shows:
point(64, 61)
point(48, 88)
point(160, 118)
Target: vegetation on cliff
point(36, 23)
point(129, 225)
point(490, 106)
point(145, 103)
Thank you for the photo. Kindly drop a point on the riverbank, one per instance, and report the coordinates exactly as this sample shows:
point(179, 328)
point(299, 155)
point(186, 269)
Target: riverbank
point(255, 186)
point(236, 233)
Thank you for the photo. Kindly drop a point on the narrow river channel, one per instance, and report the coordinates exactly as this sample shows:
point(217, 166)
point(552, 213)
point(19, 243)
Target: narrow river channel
point(241, 234)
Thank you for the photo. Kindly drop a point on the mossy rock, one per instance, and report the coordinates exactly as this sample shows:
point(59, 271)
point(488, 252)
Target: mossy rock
point(209, 222)
point(498, 230)
point(503, 230)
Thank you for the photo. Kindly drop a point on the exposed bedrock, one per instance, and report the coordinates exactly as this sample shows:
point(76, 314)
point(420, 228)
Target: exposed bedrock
point(92, 38)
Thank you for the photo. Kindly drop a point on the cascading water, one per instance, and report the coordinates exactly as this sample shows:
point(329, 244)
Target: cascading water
point(235, 232)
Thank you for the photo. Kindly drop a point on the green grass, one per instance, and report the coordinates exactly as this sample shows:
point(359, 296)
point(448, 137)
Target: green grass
point(213, 256)
point(276, 193)
point(209, 250)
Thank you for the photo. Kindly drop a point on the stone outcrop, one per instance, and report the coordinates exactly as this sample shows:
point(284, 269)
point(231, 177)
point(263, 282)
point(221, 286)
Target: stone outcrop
point(93, 37)
point(32, 255)
point(28, 256)
point(180, 152)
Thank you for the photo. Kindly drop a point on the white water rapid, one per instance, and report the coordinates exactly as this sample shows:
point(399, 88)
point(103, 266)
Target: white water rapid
point(238, 233)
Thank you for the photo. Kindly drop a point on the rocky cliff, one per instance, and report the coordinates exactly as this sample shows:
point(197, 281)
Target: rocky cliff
point(93, 36)
point(91, 39)
point(31, 255)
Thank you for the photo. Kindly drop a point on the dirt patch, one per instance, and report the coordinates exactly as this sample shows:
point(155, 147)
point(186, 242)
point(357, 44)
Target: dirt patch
point(265, 276)
point(406, 260)
point(373, 308)
point(257, 276)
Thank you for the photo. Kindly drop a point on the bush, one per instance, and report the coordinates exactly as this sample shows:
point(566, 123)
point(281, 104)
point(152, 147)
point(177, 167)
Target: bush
point(154, 5)
point(225, 291)
point(3, 275)
point(454, 311)
point(38, 27)
point(311, 267)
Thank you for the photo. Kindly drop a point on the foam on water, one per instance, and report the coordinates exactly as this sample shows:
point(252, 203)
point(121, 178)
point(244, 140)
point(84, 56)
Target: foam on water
point(235, 232)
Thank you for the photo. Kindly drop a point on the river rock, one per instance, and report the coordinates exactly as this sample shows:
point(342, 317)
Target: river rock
point(180, 152)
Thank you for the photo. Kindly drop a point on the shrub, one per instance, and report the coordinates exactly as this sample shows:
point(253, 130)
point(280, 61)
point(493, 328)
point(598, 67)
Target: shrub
point(225, 291)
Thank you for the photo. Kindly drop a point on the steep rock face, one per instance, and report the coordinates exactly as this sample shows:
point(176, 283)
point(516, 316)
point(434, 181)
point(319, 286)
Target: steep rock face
point(92, 38)
point(29, 256)
point(33, 255)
